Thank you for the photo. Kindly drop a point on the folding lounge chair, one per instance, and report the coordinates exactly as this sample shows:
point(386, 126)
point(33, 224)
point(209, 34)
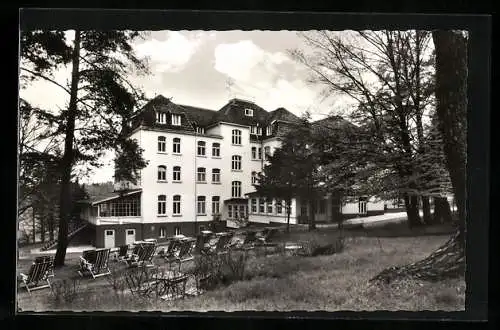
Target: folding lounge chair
point(202, 241)
point(95, 262)
point(50, 260)
point(123, 253)
point(38, 276)
point(222, 244)
point(184, 254)
point(145, 255)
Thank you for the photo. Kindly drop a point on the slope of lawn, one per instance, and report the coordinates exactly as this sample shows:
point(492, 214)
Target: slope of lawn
point(284, 283)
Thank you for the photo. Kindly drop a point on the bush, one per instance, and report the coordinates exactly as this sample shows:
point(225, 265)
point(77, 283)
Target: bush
point(315, 247)
point(65, 291)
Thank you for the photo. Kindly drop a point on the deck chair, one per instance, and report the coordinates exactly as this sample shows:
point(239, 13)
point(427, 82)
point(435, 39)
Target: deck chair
point(201, 245)
point(123, 253)
point(146, 255)
point(38, 275)
point(222, 244)
point(50, 260)
point(94, 262)
point(184, 253)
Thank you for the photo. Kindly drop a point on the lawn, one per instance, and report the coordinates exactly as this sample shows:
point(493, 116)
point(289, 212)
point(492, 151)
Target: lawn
point(279, 282)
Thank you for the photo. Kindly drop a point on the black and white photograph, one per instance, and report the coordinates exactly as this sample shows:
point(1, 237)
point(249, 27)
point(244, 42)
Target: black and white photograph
point(242, 170)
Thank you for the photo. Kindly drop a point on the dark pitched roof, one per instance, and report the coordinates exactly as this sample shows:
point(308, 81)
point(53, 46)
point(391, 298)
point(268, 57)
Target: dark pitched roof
point(284, 115)
point(199, 116)
point(234, 112)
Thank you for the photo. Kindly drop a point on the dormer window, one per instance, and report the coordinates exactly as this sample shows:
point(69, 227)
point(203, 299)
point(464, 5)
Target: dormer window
point(269, 130)
point(161, 117)
point(200, 130)
point(253, 129)
point(249, 112)
point(176, 120)
point(259, 130)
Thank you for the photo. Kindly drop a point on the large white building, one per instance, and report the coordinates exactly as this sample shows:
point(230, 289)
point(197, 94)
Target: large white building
point(201, 166)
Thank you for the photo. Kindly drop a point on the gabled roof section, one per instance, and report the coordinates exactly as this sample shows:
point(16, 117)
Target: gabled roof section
point(199, 116)
point(234, 112)
point(283, 114)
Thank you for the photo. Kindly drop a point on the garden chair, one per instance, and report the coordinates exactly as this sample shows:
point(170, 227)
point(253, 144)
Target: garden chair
point(202, 241)
point(94, 262)
point(222, 244)
point(38, 275)
point(185, 249)
point(175, 287)
point(144, 256)
point(123, 254)
point(50, 260)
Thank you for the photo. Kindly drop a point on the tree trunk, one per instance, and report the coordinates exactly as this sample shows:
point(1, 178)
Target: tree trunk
point(68, 159)
point(50, 222)
point(34, 223)
point(451, 96)
point(288, 211)
point(426, 208)
point(442, 211)
point(412, 212)
point(312, 223)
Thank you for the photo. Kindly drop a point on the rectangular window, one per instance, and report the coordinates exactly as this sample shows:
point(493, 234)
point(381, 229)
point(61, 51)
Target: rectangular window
point(236, 137)
point(215, 205)
point(201, 148)
point(236, 189)
point(176, 146)
point(162, 205)
point(125, 207)
point(162, 144)
point(249, 112)
point(215, 175)
point(262, 203)
point(269, 130)
point(201, 175)
point(254, 205)
point(267, 152)
point(215, 149)
point(176, 206)
point(200, 209)
point(254, 153)
point(176, 120)
point(236, 163)
point(243, 212)
point(260, 154)
point(254, 178)
point(161, 117)
point(163, 232)
point(230, 211)
point(177, 231)
point(279, 206)
point(162, 173)
point(259, 130)
point(270, 207)
point(200, 130)
point(253, 129)
point(176, 173)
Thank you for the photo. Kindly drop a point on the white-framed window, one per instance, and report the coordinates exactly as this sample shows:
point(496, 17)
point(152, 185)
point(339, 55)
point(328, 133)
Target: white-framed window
point(230, 211)
point(236, 189)
point(163, 232)
point(259, 130)
point(215, 149)
point(253, 129)
point(201, 174)
point(269, 130)
point(177, 231)
point(215, 204)
point(162, 144)
point(176, 205)
point(215, 175)
point(176, 120)
point(236, 137)
point(262, 205)
point(201, 148)
point(259, 155)
point(124, 207)
point(267, 152)
point(249, 112)
point(162, 205)
point(200, 206)
point(253, 207)
point(236, 163)
point(243, 211)
point(176, 173)
point(161, 117)
point(254, 177)
point(176, 146)
point(200, 130)
point(162, 173)
point(269, 207)
point(279, 206)
point(254, 152)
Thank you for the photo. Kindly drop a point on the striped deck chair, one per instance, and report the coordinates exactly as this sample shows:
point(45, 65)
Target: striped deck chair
point(185, 253)
point(222, 244)
point(201, 245)
point(95, 263)
point(38, 276)
point(145, 255)
point(123, 253)
point(50, 260)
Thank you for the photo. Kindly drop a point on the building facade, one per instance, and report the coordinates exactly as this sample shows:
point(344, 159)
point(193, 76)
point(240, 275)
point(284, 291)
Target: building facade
point(201, 167)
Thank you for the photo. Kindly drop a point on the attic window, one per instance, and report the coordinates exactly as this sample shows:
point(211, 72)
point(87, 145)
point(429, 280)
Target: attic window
point(161, 117)
point(200, 130)
point(176, 120)
point(259, 130)
point(269, 130)
point(253, 129)
point(249, 112)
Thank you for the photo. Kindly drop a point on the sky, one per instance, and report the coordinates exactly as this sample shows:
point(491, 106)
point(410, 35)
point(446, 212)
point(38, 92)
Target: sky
point(206, 69)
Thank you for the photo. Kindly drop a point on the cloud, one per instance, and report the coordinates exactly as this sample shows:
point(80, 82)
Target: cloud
point(170, 55)
point(247, 62)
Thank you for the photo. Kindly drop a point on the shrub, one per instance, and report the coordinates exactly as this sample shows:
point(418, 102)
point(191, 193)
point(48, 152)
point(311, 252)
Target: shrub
point(316, 247)
point(143, 282)
point(65, 291)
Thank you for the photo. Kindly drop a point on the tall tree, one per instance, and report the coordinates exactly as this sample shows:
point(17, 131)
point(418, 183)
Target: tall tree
point(451, 93)
point(101, 99)
point(388, 76)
